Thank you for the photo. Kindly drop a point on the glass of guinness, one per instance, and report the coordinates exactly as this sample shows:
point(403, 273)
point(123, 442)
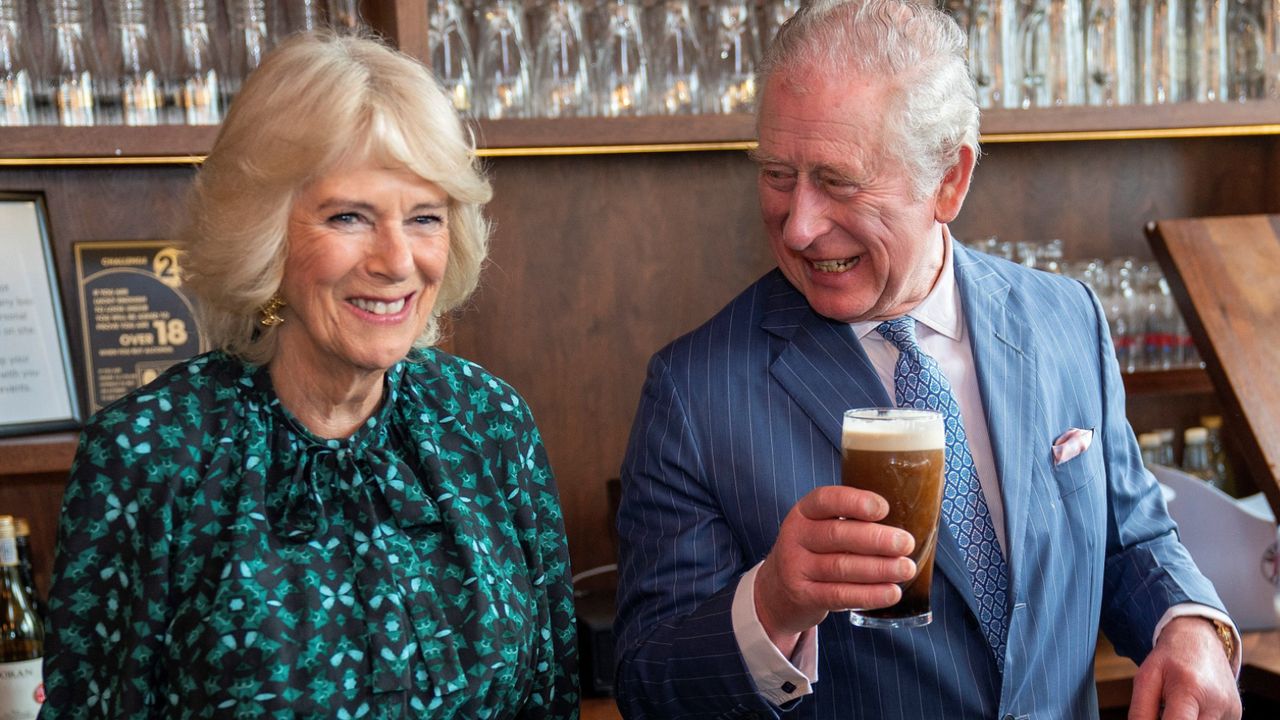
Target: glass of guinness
point(897, 453)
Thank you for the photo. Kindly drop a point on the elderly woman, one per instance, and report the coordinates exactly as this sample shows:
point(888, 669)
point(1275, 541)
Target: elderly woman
point(325, 517)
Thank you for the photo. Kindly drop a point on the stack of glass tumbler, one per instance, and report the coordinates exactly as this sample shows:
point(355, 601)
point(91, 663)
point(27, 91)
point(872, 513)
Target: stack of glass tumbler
point(141, 62)
point(1147, 329)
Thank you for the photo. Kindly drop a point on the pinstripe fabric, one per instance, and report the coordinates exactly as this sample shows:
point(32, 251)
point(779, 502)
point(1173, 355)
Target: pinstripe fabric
point(741, 418)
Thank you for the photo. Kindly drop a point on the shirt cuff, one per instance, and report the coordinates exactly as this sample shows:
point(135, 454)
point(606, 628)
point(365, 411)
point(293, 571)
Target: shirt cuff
point(1204, 611)
point(778, 679)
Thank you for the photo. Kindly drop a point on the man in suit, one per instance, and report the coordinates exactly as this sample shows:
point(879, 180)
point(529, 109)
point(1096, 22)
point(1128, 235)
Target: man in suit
point(740, 548)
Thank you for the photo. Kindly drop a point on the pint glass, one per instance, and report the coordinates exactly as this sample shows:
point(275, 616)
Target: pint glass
point(897, 453)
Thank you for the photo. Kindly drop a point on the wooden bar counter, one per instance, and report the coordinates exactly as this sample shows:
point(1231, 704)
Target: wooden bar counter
point(1259, 677)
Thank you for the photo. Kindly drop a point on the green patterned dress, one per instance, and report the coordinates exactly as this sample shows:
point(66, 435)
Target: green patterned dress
point(217, 560)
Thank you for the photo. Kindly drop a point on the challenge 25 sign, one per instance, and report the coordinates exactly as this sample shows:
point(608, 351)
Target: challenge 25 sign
point(137, 321)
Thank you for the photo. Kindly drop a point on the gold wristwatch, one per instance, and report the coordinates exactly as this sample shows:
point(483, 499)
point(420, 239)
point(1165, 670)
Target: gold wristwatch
point(1228, 638)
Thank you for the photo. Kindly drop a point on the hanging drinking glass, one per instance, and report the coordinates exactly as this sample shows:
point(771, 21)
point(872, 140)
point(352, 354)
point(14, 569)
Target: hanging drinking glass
point(17, 84)
point(622, 62)
point(249, 42)
point(502, 62)
point(1161, 66)
point(74, 73)
point(196, 92)
point(138, 77)
point(1207, 59)
point(677, 59)
point(1246, 52)
point(734, 55)
point(1051, 39)
point(561, 84)
point(1109, 53)
point(451, 51)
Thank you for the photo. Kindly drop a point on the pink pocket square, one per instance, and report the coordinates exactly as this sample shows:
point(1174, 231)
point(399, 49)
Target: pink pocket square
point(1070, 444)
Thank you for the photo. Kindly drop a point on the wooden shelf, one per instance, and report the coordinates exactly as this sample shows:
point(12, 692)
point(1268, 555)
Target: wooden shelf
point(1183, 381)
point(36, 454)
point(36, 146)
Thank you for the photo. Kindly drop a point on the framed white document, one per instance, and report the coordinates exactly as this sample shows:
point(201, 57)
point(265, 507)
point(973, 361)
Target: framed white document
point(36, 385)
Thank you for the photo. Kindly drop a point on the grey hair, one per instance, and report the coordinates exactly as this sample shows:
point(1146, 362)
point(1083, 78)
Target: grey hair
point(932, 108)
point(317, 101)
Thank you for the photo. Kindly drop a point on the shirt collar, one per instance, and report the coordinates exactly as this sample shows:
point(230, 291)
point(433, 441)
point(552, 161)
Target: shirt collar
point(940, 309)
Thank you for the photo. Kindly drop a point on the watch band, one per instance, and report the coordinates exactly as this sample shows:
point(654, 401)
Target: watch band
point(1228, 638)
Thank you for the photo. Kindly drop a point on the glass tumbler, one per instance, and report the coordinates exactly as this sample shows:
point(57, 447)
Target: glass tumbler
point(1207, 55)
point(1051, 38)
point(992, 29)
point(250, 41)
point(734, 55)
point(74, 74)
point(621, 60)
point(451, 58)
point(1109, 53)
point(561, 81)
point(17, 71)
point(1161, 67)
point(677, 60)
point(502, 62)
point(139, 79)
point(195, 85)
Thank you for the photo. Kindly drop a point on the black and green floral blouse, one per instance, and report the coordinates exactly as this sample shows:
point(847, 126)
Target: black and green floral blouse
point(216, 559)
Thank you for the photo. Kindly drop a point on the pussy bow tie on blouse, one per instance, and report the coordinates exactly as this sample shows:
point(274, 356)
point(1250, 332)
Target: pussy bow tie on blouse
point(405, 627)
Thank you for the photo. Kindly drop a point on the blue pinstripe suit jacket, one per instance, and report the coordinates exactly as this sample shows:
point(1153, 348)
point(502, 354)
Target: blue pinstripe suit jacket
point(741, 417)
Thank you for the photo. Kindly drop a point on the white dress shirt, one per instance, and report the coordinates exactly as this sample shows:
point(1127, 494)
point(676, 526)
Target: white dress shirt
point(942, 334)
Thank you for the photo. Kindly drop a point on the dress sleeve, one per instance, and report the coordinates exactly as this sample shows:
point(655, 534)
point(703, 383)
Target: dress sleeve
point(108, 599)
point(555, 688)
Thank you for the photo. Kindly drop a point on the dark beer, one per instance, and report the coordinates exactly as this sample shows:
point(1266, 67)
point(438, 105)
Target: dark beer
point(899, 456)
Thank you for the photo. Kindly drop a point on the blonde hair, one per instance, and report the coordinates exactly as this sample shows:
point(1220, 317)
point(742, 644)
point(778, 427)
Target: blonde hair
point(317, 101)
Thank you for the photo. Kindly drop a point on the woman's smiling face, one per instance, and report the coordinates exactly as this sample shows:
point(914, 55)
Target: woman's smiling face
point(367, 250)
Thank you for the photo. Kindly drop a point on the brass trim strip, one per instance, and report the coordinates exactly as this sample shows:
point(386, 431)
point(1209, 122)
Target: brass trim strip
point(615, 149)
point(728, 145)
point(101, 161)
point(1143, 134)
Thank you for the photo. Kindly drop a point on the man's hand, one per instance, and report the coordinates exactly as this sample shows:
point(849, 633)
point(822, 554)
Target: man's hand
point(831, 554)
point(1188, 674)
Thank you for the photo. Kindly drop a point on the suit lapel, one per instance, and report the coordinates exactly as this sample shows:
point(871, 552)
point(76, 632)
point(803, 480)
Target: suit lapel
point(1005, 359)
point(823, 367)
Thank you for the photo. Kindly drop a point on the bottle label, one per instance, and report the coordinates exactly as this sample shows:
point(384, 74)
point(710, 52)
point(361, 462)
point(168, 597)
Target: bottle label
point(8, 552)
point(21, 689)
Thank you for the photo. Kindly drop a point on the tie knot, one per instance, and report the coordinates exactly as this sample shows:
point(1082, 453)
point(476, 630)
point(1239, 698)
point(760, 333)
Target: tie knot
point(901, 332)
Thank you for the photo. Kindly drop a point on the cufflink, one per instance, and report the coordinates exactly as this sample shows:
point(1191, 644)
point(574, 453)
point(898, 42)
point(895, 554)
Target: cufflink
point(788, 687)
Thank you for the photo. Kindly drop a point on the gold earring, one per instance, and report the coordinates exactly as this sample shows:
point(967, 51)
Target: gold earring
point(271, 311)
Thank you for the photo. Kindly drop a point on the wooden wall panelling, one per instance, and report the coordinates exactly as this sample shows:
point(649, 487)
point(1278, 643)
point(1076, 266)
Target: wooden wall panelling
point(404, 22)
point(1098, 195)
point(596, 263)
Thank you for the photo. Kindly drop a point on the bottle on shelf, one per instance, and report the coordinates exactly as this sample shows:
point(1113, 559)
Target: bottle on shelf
point(1218, 454)
point(139, 79)
point(1195, 456)
point(21, 635)
point(196, 89)
point(22, 541)
point(1149, 444)
point(1166, 446)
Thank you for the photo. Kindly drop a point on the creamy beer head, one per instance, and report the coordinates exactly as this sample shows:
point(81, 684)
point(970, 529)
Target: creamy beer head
point(893, 430)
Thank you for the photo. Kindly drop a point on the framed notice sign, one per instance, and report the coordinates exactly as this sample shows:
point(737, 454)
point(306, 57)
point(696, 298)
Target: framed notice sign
point(35, 367)
point(137, 320)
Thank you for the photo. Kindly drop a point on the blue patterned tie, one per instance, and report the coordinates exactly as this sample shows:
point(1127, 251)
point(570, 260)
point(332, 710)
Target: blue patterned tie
point(919, 383)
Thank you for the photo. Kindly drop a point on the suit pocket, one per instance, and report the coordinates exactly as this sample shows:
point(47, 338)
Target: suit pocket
point(1078, 473)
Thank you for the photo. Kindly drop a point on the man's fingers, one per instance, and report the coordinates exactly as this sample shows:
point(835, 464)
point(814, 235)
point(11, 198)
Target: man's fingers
point(843, 596)
point(836, 501)
point(855, 536)
point(1147, 688)
point(861, 569)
